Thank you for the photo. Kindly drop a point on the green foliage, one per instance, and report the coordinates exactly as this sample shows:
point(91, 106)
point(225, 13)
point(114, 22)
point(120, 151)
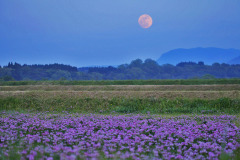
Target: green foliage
point(137, 69)
point(7, 78)
point(125, 82)
point(226, 156)
point(120, 105)
point(208, 76)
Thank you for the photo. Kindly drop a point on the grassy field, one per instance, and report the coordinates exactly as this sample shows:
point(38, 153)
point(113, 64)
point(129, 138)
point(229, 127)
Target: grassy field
point(107, 99)
point(126, 82)
point(41, 119)
point(226, 87)
point(120, 105)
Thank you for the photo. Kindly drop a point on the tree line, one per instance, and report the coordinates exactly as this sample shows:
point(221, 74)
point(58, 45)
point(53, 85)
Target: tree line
point(137, 69)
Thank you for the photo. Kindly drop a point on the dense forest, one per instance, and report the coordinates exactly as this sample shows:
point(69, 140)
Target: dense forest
point(137, 69)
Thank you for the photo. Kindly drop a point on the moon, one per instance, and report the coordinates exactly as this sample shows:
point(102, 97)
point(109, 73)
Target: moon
point(145, 21)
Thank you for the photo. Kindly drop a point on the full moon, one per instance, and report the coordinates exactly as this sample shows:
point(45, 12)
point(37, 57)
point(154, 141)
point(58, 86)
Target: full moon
point(145, 21)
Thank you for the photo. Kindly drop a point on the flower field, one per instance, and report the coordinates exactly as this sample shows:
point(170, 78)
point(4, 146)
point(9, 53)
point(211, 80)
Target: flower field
point(76, 136)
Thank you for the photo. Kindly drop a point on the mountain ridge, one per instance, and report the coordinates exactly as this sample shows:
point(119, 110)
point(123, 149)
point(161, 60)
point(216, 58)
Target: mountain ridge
point(235, 60)
point(208, 55)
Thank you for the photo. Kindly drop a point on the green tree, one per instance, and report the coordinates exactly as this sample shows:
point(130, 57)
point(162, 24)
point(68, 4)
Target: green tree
point(136, 63)
point(208, 76)
point(7, 78)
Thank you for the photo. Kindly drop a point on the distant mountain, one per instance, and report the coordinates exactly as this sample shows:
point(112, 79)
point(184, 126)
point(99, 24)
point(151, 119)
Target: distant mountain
point(235, 60)
point(207, 55)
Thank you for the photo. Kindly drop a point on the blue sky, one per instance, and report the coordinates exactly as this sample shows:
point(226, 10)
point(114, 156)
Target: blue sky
point(106, 32)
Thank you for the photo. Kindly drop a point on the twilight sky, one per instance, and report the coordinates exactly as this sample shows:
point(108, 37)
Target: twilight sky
point(106, 32)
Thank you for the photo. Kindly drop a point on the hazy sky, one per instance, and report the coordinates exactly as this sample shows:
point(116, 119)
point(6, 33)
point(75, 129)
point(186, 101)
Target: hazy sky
point(106, 32)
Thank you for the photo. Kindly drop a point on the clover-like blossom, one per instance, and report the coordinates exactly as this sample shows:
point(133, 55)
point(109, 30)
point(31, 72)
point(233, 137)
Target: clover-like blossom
point(76, 136)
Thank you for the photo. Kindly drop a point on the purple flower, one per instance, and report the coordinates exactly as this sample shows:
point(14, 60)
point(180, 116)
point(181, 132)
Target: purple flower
point(118, 137)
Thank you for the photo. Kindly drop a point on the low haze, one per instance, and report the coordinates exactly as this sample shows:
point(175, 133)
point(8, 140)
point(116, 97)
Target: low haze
point(106, 32)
